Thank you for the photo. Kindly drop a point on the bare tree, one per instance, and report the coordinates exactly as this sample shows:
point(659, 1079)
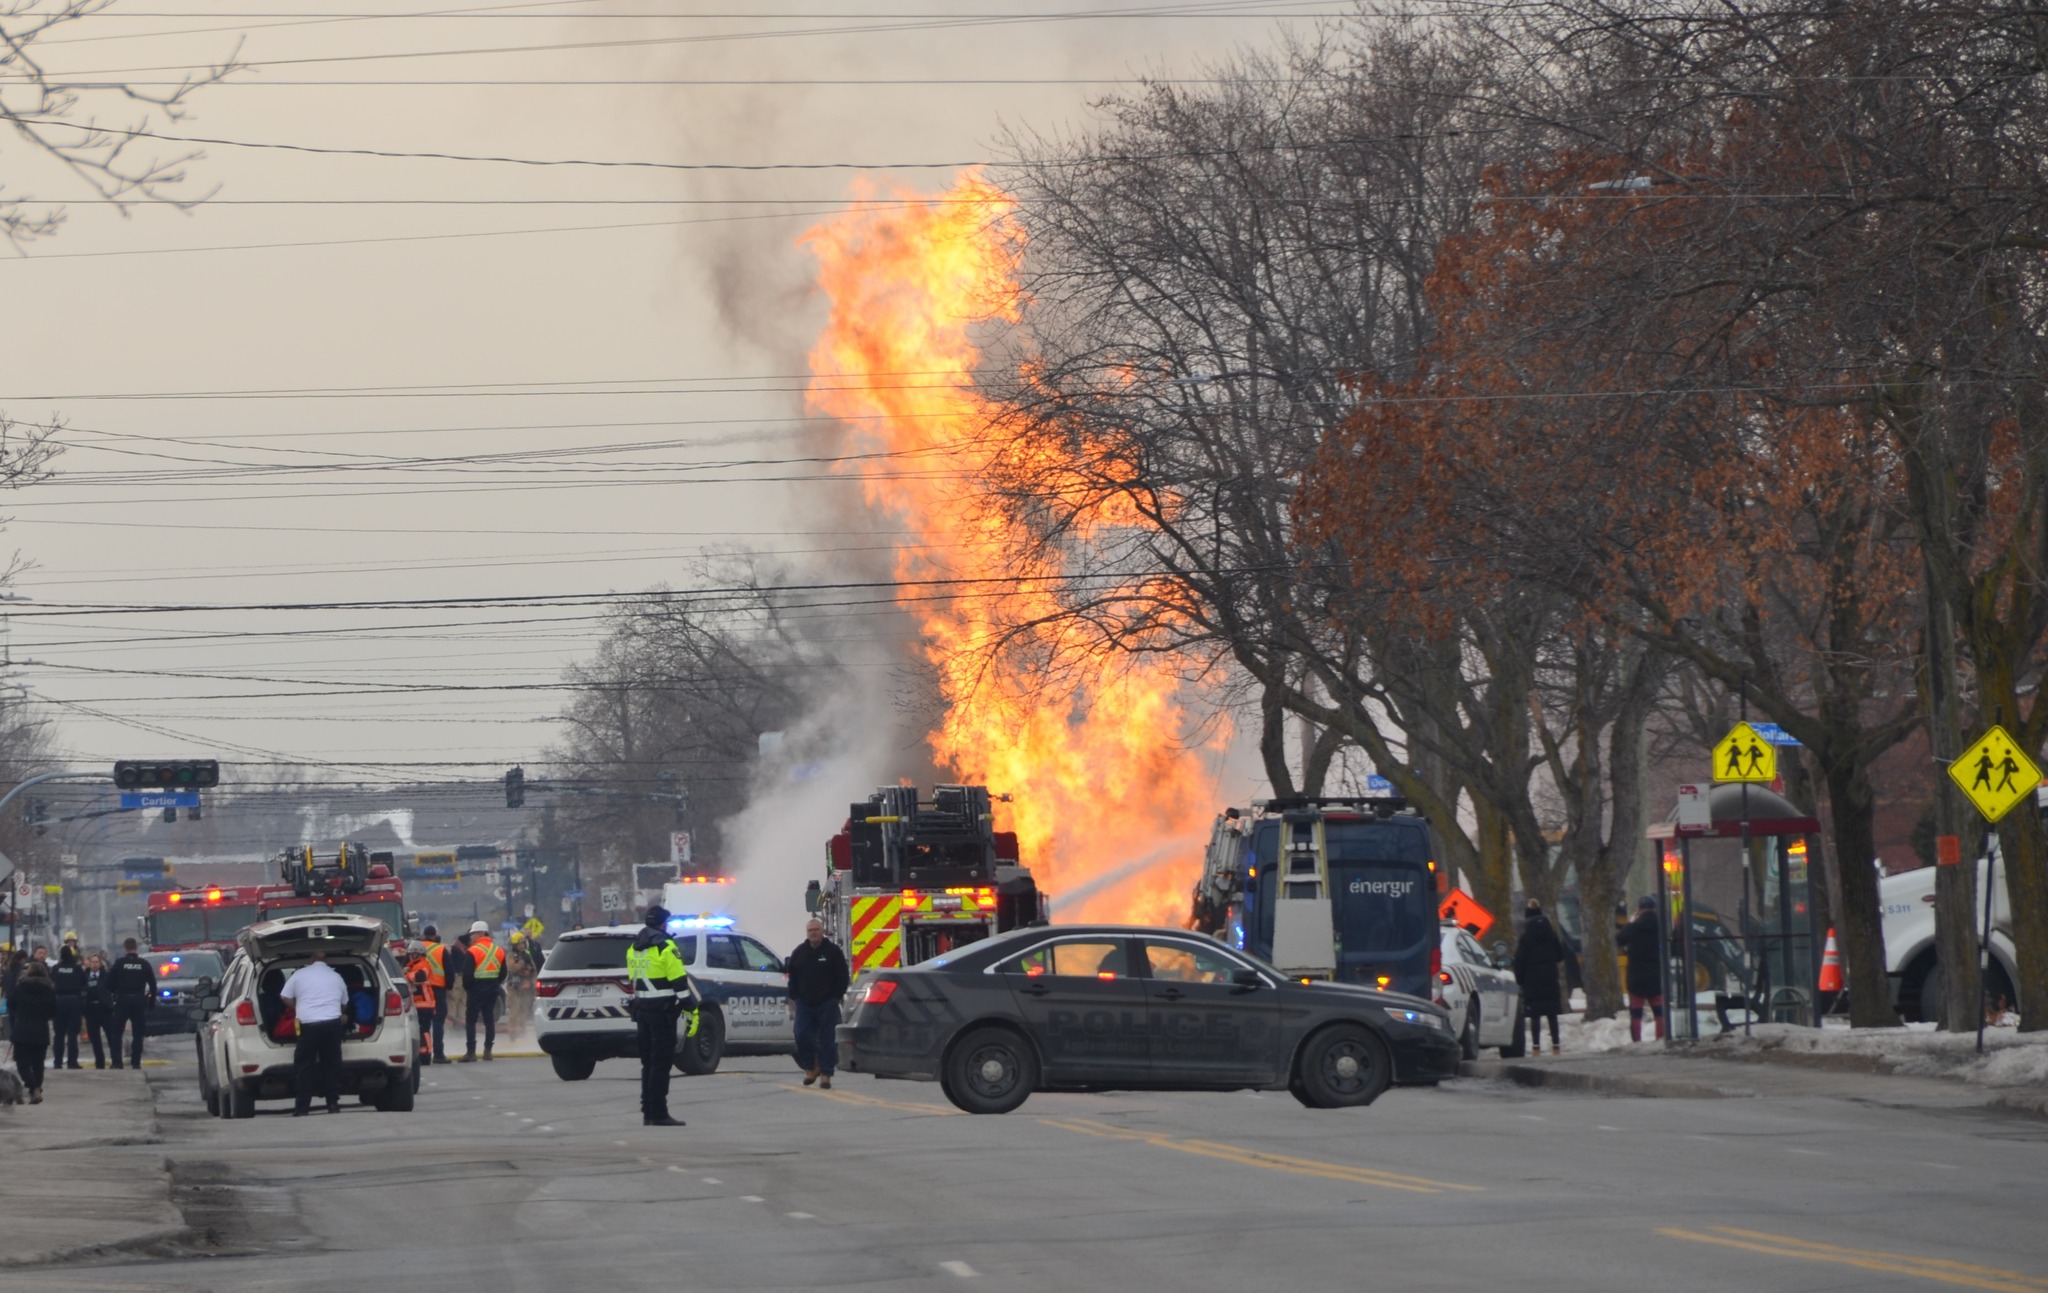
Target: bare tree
point(60, 118)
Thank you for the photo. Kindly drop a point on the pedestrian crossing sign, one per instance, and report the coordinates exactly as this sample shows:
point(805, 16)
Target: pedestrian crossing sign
point(1995, 773)
point(1744, 755)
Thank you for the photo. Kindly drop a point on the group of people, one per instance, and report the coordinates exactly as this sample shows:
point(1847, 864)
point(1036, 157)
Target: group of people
point(48, 1004)
point(1541, 953)
point(487, 976)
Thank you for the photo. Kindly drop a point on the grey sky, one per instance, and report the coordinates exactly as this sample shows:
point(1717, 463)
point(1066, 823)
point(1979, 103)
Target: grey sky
point(624, 363)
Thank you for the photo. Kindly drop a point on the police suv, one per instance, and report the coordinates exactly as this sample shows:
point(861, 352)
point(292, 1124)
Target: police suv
point(581, 1000)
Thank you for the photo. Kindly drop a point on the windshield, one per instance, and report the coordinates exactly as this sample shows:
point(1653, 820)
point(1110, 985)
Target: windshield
point(589, 954)
point(196, 964)
point(189, 925)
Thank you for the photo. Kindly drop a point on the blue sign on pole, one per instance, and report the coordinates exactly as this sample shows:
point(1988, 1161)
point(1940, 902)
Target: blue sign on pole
point(159, 799)
point(441, 886)
point(1378, 785)
point(572, 893)
point(1774, 734)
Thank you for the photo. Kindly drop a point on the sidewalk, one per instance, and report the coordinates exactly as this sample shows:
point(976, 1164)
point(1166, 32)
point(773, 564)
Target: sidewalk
point(1707, 1072)
point(62, 1194)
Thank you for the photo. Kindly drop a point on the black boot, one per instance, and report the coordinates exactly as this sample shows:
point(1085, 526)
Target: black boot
point(663, 1121)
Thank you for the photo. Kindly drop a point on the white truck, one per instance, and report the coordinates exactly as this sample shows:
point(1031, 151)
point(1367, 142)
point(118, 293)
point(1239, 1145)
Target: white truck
point(1906, 901)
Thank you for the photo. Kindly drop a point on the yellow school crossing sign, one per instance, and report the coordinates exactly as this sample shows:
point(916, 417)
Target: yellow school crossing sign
point(1743, 755)
point(1995, 774)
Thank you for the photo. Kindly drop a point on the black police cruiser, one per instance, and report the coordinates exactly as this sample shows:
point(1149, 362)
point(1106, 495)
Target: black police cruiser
point(1111, 1007)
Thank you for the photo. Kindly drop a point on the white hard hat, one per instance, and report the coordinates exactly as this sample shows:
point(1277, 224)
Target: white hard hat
point(479, 928)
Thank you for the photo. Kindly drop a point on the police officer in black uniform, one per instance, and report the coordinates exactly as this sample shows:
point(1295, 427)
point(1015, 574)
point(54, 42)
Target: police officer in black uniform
point(661, 993)
point(131, 985)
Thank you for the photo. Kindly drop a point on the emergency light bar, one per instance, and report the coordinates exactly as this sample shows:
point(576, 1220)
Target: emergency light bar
point(681, 923)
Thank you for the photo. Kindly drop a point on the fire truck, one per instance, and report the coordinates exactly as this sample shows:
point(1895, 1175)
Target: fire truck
point(352, 877)
point(207, 917)
point(907, 879)
point(1343, 888)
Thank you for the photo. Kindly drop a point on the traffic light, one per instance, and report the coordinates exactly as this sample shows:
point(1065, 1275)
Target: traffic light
point(515, 788)
point(170, 814)
point(38, 814)
point(166, 774)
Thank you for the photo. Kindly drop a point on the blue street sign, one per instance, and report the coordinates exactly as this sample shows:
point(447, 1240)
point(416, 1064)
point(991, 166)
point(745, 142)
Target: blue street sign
point(1774, 734)
point(432, 871)
point(572, 893)
point(442, 886)
point(1378, 785)
point(159, 799)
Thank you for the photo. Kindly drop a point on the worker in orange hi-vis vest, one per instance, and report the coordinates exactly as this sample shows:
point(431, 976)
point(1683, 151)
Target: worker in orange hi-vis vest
point(434, 1022)
point(484, 978)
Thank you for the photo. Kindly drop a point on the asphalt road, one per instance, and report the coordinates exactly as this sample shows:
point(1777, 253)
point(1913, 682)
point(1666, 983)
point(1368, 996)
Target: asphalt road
point(506, 1178)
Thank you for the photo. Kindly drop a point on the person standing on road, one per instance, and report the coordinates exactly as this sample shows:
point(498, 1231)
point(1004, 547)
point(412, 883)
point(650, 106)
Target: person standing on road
point(31, 1006)
point(131, 984)
point(319, 998)
point(1539, 954)
point(1642, 942)
point(483, 978)
point(99, 1011)
point(69, 981)
point(661, 992)
point(818, 978)
point(519, 979)
point(434, 1021)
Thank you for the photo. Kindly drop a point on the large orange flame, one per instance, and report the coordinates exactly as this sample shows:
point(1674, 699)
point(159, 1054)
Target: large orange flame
point(1110, 806)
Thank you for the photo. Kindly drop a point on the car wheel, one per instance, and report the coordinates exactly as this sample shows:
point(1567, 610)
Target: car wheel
point(1519, 1043)
point(1931, 997)
point(1345, 1066)
point(573, 1068)
point(416, 1070)
point(1468, 1041)
point(241, 1099)
point(396, 1096)
point(699, 1055)
point(990, 1070)
point(1296, 1090)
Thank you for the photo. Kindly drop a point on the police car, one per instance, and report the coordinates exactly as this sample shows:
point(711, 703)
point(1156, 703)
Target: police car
point(1481, 993)
point(581, 999)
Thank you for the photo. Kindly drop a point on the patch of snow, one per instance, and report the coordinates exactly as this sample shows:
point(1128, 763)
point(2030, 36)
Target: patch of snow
point(2010, 1058)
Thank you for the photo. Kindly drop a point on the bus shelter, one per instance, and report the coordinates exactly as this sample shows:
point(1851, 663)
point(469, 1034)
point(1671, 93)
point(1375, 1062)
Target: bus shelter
point(1737, 892)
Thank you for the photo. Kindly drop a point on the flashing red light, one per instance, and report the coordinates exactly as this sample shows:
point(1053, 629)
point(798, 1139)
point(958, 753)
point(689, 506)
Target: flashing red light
point(213, 895)
point(879, 992)
point(245, 1013)
point(177, 898)
point(544, 989)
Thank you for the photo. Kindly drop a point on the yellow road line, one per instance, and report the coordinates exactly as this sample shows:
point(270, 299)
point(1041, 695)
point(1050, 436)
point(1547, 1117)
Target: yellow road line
point(1927, 1268)
point(848, 1097)
point(1271, 1162)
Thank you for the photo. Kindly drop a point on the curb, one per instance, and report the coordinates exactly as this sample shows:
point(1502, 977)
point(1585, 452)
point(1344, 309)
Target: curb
point(136, 1245)
point(1562, 1079)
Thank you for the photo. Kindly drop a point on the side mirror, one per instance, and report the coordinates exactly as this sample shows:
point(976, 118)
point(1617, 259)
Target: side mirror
point(1247, 980)
point(209, 1004)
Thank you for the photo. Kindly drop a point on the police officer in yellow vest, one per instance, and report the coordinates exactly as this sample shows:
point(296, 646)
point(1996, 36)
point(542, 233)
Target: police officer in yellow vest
point(484, 980)
point(661, 994)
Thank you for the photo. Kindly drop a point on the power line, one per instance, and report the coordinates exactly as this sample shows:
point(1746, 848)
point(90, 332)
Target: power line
point(504, 160)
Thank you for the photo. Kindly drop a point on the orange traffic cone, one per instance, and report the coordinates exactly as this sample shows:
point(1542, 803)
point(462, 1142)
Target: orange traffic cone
point(1830, 966)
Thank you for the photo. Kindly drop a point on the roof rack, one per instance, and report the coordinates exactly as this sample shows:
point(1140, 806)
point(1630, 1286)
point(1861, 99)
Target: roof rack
point(1378, 805)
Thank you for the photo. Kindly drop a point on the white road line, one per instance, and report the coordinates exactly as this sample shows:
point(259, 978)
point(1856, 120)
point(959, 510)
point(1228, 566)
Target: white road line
point(545, 1127)
point(1604, 1127)
point(802, 1216)
point(620, 1143)
point(1946, 1167)
point(526, 1120)
point(712, 1180)
point(752, 1198)
point(962, 1269)
point(674, 1167)
point(1816, 1153)
point(1533, 1117)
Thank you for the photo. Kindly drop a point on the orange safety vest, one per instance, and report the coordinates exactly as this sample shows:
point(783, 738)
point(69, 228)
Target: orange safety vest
point(421, 977)
point(437, 965)
point(489, 959)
